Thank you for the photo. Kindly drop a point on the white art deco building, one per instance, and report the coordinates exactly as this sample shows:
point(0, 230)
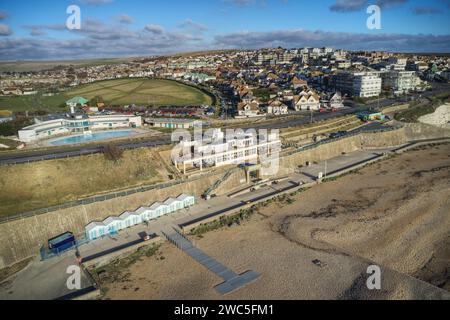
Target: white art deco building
point(218, 150)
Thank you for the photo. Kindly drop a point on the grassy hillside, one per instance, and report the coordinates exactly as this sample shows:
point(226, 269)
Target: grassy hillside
point(31, 186)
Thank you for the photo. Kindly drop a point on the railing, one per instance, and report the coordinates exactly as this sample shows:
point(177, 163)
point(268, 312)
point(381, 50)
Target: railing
point(219, 182)
point(351, 134)
point(101, 198)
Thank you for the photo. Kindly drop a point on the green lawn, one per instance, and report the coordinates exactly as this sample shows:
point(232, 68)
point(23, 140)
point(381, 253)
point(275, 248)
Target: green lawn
point(155, 92)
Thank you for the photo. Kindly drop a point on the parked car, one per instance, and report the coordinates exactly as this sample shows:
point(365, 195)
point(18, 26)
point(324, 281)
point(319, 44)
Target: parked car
point(339, 134)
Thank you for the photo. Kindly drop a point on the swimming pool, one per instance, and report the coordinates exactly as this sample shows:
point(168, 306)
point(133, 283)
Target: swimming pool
point(92, 137)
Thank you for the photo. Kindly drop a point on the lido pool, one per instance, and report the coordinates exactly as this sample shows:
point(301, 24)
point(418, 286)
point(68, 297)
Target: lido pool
point(92, 137)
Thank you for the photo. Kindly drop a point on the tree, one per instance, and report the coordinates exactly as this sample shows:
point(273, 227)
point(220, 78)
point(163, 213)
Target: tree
point(96, 100)
point(112, 152)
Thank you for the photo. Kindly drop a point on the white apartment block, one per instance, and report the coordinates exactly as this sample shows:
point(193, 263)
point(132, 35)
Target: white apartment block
point(397, 64)
point(219, 151)
point(400, 82)
point(367, 85)
point(359, 84)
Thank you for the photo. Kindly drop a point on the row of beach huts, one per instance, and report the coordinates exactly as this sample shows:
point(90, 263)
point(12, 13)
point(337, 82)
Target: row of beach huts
point(113, 225)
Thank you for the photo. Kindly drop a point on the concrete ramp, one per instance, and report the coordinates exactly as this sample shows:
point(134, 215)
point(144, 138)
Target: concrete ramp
point(232, 281)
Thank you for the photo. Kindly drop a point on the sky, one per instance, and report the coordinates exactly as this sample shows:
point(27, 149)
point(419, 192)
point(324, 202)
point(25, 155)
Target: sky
point(36, 29)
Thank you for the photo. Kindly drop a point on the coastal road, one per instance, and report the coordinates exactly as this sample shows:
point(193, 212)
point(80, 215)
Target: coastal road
point(74, 151)
point(41, 155)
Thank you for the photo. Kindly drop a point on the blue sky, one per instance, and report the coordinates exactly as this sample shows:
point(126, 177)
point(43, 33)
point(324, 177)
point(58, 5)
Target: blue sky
point(109, 28)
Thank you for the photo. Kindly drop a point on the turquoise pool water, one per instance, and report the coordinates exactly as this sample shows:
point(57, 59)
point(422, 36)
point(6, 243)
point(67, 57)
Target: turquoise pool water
point(93, 137)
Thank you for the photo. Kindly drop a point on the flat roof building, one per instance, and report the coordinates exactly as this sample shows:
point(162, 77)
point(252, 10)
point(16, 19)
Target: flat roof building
point(218, 151)
point(175, 123)
point(359, 84)
point(76, 124)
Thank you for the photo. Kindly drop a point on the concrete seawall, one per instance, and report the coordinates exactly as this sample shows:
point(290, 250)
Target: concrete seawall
point(347, 145)
point(23, 238)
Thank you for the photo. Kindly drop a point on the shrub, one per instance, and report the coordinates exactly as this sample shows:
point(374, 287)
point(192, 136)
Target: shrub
point(112, 152)
point(11, 128)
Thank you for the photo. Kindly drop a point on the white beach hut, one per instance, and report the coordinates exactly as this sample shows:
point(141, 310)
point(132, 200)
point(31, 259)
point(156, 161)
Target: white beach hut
point(114, 224)
point(95, 230)
point(127, 218)
point(144, 213)
point(171, 204)
point(157, 209)
point(187, 200)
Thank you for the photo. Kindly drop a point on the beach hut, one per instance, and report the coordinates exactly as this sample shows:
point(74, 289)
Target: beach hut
point(157, 209)
point(186, 200)
point(95, 230)
point(172, 205)
point(135, 218)
point(127, 218)
point(144, 213)
point(114, 224)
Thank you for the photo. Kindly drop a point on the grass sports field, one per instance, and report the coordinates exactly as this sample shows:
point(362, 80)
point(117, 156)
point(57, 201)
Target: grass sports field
point(155, 92)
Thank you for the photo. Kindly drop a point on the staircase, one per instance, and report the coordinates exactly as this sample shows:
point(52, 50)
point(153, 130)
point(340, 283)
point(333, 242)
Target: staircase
point(218, 183)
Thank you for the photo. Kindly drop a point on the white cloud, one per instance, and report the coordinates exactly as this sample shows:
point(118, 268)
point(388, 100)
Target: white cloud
point(353, 41)
point(191, 25)
point(125, 19)
point(5, 30)
point(154, 28)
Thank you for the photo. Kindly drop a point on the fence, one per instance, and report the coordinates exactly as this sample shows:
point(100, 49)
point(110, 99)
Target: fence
point(351, 134)
point(101, 198)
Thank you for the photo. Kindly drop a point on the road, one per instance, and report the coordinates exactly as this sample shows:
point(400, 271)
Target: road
point(40, 155)
point(55, 153)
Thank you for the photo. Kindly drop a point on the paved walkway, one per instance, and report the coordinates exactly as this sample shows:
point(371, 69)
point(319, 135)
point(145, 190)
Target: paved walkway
point(42, 280)
point(232, 281)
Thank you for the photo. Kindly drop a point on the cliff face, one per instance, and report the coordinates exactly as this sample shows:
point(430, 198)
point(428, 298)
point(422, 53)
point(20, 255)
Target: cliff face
point(440, 118)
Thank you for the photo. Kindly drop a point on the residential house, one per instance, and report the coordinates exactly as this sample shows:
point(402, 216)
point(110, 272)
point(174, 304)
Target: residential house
point(307, 100)
point(12, 91)
point(277, 107)
point(336, 101)
point(248, 110)
point(299, 84)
